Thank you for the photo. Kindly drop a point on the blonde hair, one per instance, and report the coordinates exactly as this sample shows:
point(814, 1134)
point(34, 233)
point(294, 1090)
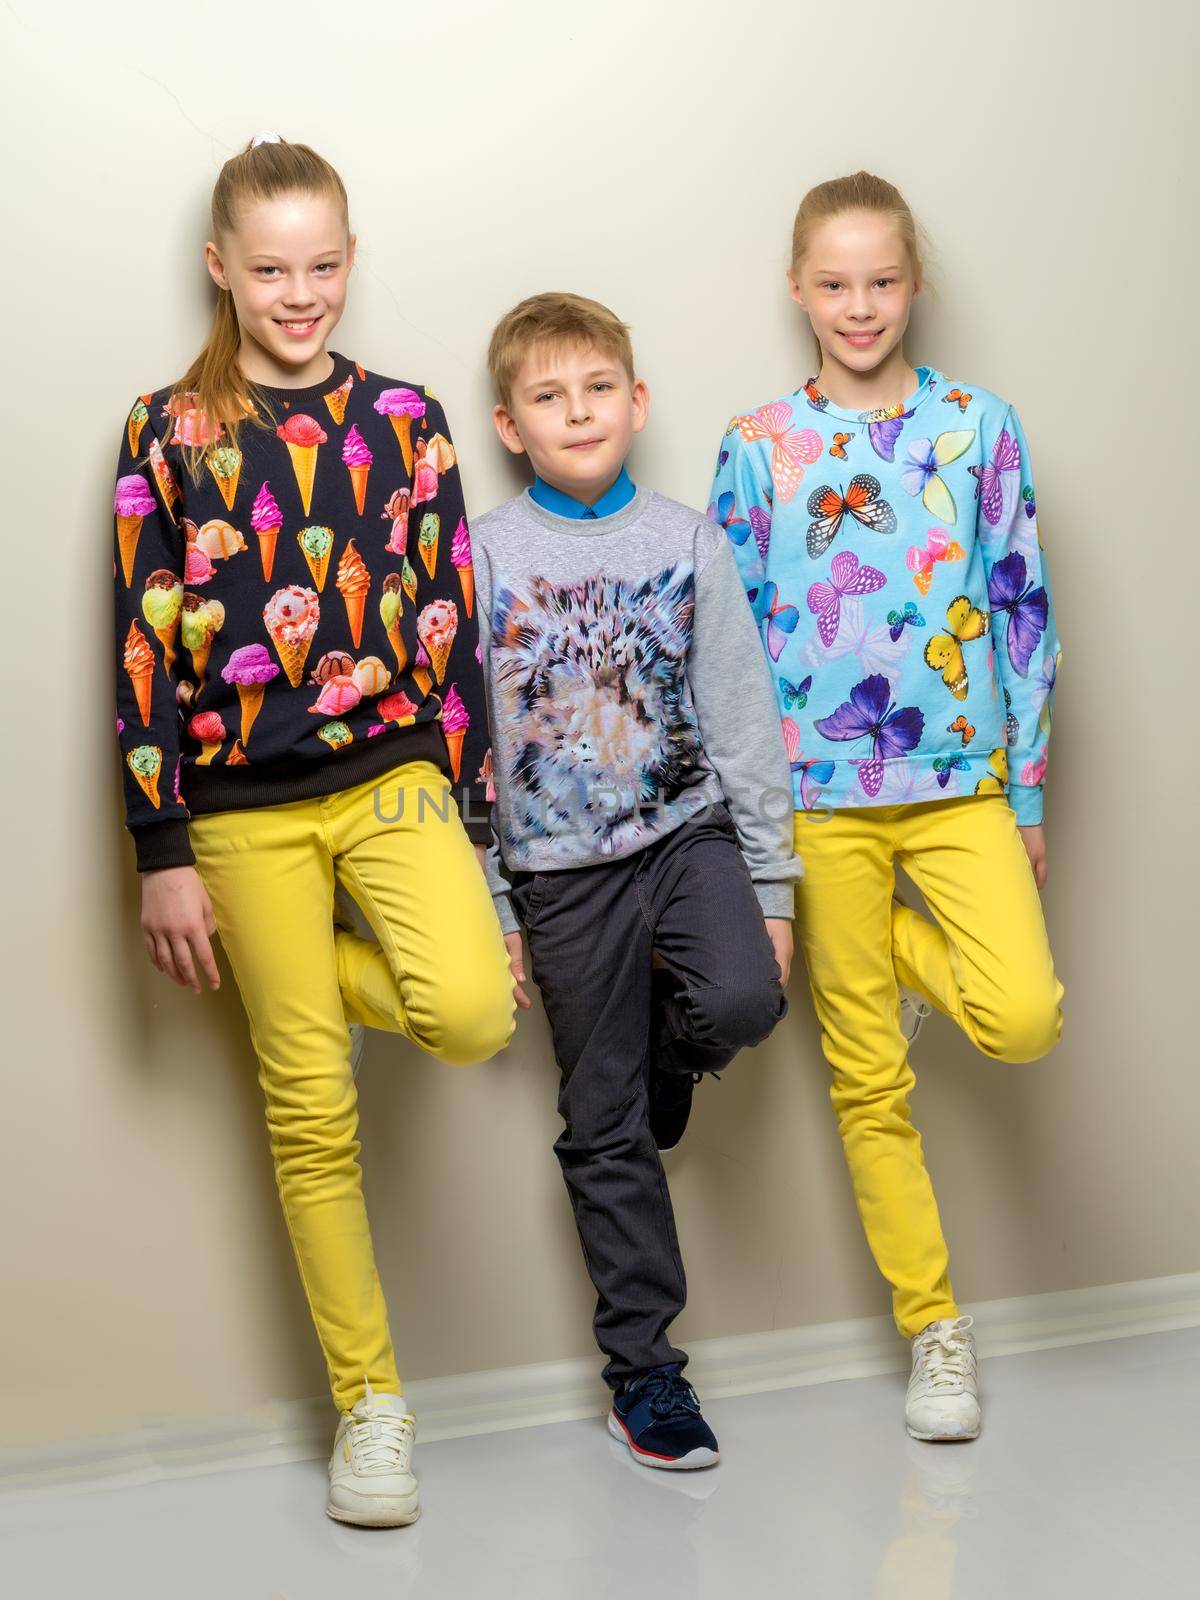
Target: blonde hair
point(861, 191)
point(214, 387)
point(553, 319)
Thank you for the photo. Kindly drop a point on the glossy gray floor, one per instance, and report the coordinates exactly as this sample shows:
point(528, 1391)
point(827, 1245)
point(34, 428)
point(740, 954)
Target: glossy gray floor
point(1084, 1484)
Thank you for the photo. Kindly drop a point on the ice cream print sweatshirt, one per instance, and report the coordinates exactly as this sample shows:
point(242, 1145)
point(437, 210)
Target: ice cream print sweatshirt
point(302, 619)
point(627, 691)
point(893, 564)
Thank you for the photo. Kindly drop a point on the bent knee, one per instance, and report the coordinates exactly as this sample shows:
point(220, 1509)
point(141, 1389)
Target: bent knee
point(1021, 1031)
point(735, 1015)
point(464, 1024)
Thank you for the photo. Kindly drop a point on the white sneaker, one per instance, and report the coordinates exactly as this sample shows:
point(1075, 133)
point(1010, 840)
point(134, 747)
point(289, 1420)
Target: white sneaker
point(371, 1481)
point(913, 1011)
point(943, 1392)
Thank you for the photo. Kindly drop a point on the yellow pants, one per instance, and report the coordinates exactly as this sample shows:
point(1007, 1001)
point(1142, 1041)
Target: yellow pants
point(439, 975)
point(985, 962)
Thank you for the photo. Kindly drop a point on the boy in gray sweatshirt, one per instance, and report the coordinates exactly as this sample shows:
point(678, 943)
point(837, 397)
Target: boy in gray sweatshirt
point(643, 818)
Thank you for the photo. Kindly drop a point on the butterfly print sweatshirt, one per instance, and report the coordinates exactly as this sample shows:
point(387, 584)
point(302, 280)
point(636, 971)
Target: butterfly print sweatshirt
point(299, 621)
point(894, 568)
point(618, 711)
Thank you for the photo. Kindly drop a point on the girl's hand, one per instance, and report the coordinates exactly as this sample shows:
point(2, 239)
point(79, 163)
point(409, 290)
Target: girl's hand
point(1034, 839)
point(177, 925)
point(779, 931)
point(516, 965)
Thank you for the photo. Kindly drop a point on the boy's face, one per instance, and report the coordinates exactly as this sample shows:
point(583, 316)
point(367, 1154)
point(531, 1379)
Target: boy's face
point(574, 412)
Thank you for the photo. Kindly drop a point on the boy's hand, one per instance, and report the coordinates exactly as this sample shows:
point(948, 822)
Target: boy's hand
point(177, 925)
point(1034, 840)
point(516, 965)
point(779, 930)
point(481, 855)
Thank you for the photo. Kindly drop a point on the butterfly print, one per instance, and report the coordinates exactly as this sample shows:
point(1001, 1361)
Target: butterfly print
point(939, 546)
point(830, 507)
point(1027, 608)
point(871, 713)
point(923, 474)
point(944, 652)
point(989, 480)
point(846, 577)
point(908, 617)
point(780, 619)
point(792, 449)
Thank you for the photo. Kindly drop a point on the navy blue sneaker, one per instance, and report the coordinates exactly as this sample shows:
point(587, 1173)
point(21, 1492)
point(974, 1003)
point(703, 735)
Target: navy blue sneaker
point(658, 1416)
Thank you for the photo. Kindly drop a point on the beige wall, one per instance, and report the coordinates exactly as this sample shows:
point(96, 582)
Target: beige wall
point(651, 155)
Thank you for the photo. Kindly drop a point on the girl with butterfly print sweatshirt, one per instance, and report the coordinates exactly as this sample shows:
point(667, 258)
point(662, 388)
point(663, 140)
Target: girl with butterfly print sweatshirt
point(906, 614)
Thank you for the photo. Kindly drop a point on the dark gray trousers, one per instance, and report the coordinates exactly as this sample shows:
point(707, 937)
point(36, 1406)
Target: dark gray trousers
point(592, 932)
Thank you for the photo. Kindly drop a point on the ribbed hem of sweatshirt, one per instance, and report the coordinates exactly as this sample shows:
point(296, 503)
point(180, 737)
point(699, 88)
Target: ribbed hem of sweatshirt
point(249, 788)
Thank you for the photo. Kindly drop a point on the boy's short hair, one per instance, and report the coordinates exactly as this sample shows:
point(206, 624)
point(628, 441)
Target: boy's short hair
point(555, 319)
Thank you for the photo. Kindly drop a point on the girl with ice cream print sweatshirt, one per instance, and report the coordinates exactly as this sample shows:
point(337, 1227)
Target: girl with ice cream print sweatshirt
point(301, 619)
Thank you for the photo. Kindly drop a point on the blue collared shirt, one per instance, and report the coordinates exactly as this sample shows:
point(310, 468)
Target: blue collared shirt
point(565, 505)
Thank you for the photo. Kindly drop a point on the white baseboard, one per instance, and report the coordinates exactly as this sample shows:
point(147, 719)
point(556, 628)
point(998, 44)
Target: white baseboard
point(562, 1391)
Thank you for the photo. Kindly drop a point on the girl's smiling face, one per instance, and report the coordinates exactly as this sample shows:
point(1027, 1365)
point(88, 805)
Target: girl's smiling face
point(857, 284)
point(286, 265)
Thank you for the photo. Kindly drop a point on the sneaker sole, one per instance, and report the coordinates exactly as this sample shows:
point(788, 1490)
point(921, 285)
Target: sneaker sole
point(944, 1436)
point(394, 1515)
point(692, 1462)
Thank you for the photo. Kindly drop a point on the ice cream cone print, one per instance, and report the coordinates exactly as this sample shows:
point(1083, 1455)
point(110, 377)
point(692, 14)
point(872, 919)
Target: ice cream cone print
point(460, 555)
point(225, 464)
point(164, 478)
point(353, 584)
point(161, 604)
point(427, 540)
point(408, 580)
point(138, 419)
point(132, 502)
point(357, 458)
point(291, 616)
point(304, 465)
point(266, 521)
point(128, 532)
point(139, 664)
point(146, 763)
point(391, 607)
point(251, 697)
point(303, 436)
point(237, 757)
point(249, 669)
point(316, 544)
point(422, 676)
point(455, 722)
point(200, 621)
point(436, 628)
point(208, 728)
point(400, 406)
point(336, 400)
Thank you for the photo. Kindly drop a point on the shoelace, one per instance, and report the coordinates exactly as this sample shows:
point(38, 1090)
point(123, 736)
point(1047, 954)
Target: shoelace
point(669, 1394)
point(380, 1441)
point(944, 1355)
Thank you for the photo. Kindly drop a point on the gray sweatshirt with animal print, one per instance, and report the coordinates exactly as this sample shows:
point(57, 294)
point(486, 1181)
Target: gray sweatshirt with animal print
point(627, 690)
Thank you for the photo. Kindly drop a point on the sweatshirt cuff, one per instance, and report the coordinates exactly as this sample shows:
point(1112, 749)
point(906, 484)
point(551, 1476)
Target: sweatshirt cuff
point(505, 915)
point(162, 844)
point(776, 900)
point(1026, 802)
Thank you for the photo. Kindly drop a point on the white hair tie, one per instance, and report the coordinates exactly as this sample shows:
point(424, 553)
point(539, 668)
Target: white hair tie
point(265, 137)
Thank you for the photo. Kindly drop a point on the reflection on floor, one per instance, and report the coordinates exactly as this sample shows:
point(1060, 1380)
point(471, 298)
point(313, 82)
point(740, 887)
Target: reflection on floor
point(1083, 1486)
